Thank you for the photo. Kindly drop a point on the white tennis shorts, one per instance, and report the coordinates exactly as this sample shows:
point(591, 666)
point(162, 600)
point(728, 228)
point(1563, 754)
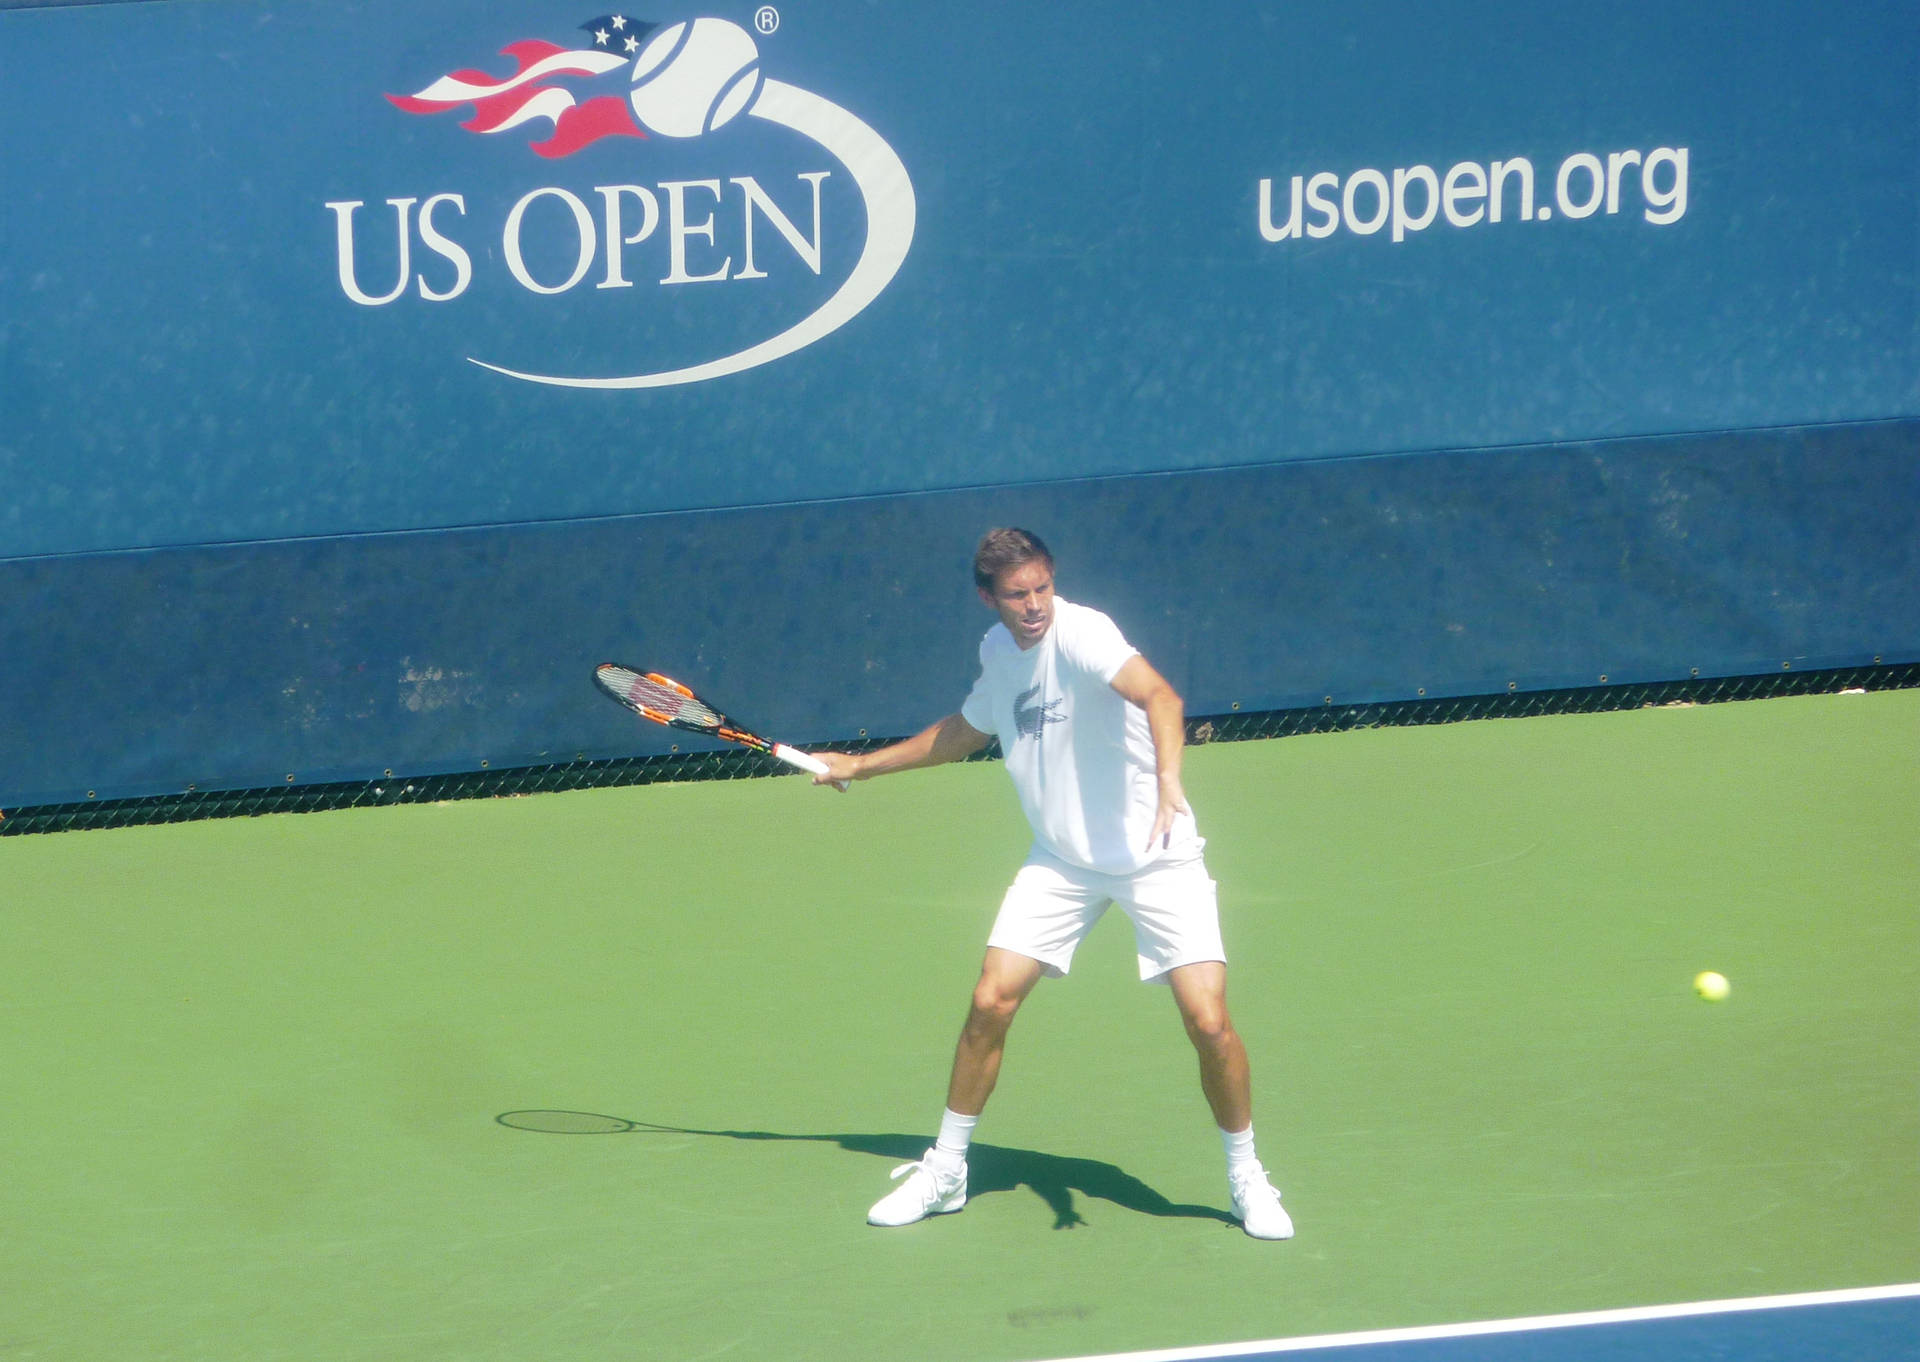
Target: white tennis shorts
point(1051, 906)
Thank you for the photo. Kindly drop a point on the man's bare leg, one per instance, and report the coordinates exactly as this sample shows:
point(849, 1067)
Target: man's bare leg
point(1200, 992)
point(937, 1184)
point(1006, 978)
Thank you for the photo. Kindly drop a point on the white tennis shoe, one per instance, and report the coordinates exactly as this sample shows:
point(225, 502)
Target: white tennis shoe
point(1257, 1204)
point(928, 1190)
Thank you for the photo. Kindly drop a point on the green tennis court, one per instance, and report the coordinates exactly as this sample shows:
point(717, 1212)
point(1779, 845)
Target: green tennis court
point(257, 1065)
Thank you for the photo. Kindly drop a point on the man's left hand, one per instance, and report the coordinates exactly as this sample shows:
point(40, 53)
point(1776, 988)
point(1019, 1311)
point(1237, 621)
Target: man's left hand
point(1173, 803)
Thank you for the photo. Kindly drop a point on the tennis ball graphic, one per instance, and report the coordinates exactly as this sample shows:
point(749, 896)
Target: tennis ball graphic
point(694, 77)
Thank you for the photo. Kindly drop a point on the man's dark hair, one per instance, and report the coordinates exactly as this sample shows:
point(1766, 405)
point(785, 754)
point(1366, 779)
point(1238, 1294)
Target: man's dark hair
point(1003, 549)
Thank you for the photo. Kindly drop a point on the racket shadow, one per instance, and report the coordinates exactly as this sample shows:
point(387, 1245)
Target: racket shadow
point(991, 1168)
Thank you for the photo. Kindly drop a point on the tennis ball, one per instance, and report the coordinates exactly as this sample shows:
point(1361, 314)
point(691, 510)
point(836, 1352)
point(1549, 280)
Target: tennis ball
point(694, 77)
point(1711, 986)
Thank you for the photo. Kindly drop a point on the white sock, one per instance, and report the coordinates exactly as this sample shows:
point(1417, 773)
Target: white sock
point(956, 1133)
point(1239, 1147)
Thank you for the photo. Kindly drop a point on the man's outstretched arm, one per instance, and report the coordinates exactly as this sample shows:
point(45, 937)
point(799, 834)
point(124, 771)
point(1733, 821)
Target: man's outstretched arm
point(952, 739)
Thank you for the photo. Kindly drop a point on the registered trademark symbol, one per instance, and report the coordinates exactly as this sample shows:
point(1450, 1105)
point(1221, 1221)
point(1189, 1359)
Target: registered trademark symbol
point(766, 19)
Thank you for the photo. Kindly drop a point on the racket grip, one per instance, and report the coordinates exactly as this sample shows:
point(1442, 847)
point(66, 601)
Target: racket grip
point(794, 757)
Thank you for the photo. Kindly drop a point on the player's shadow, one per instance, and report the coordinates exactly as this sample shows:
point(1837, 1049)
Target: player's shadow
point(991, 1168)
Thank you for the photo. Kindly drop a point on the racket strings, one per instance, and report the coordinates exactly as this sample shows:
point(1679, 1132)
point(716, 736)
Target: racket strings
point(643, 692)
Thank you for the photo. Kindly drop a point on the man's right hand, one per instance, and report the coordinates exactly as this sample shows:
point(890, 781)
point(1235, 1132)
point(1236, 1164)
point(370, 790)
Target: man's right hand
point(840, 767)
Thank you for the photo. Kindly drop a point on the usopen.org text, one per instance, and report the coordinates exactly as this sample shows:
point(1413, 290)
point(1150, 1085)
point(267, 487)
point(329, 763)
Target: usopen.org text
point(1472, 192)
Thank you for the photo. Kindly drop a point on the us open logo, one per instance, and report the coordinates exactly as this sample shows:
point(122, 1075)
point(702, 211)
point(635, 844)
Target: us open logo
point(698, 81)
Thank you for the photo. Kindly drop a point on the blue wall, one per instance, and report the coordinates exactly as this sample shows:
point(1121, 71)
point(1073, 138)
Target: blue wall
point(1295, 456)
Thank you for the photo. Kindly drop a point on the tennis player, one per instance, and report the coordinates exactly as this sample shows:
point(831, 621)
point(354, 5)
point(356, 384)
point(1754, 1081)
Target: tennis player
point(1092, 736)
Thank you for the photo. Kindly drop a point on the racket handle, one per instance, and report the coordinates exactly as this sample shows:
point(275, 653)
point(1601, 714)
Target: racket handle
point(794, 757)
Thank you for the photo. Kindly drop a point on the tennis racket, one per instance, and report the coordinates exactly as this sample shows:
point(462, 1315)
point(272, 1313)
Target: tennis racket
point(666, 701)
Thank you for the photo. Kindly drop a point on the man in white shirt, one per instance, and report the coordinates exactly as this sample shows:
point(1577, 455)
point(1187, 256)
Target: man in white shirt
point(1092, 737)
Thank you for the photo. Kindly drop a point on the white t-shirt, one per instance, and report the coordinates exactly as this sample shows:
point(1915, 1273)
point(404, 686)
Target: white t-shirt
point(1081, 757)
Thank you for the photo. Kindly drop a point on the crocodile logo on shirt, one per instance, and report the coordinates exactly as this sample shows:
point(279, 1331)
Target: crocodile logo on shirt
point(1030, 721)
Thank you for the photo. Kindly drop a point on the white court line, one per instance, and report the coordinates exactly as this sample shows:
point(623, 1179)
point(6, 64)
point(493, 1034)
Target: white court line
point(1632, 1315)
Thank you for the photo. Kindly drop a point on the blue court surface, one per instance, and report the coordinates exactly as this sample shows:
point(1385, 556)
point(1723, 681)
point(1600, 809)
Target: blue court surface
point(1872, 1324)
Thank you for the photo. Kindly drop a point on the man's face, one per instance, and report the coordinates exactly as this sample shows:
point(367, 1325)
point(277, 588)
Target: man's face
point(1023, 598)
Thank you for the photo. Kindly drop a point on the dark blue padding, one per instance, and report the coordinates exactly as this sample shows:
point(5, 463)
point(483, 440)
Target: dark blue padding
point(235, 666)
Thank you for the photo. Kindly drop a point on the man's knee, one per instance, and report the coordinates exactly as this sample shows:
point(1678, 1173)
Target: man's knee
point(1209, 1026)
point(1201, 992)
point(1003, 986)
point(993, 1006)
